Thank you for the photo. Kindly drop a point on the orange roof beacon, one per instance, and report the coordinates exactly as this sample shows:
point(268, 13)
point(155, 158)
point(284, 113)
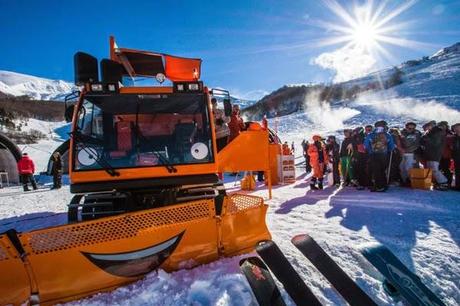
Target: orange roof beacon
point(143, 168)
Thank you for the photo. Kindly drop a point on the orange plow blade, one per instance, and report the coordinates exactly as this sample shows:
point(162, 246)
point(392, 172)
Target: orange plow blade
point(72, 261)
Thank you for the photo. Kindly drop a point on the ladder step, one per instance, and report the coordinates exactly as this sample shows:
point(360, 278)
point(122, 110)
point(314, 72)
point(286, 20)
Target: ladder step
point(99, 213)
point(90, 204)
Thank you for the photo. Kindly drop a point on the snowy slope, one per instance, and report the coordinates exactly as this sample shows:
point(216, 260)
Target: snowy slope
point(421, 227)
point(430, 91)
point(18, 84)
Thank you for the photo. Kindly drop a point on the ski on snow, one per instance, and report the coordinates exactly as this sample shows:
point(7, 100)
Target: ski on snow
point(262, 283)
point(344, 285)
point(299, 292)
point(407, 284)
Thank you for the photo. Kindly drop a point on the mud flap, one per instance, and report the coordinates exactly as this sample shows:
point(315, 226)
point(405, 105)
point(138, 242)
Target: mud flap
point(243, 224)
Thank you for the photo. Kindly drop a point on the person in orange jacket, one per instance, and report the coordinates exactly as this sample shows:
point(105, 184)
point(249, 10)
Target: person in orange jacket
point(236, 124)
point(286, 150)
point(318, 160)
point(26, 169)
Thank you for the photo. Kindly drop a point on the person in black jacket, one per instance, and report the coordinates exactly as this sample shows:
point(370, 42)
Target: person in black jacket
point(333, 151)
point(410, 146)
point(444, 163)
point(305, 145)
point(361, 158)
point(347, 150)
point(56, 170)
point(456, 154)
point(433, 145)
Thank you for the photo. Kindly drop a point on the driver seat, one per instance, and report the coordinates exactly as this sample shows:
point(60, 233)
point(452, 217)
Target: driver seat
point(184, 136)
point(124, 136)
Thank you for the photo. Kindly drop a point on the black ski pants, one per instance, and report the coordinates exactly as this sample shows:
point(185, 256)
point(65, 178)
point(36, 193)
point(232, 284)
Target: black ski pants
point(362, 169)
point(378, 163)
point(335, 172)
point(25, 179)
point(57, 179)
point(307, 163)
point(444, 167)
point(457, 173)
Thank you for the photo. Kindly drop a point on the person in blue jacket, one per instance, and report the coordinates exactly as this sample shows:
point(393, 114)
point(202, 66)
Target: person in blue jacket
point(379, 144)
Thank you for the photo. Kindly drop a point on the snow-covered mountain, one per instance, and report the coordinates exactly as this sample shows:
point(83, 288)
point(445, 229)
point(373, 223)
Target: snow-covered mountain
point(18, 84)
point(433, 78)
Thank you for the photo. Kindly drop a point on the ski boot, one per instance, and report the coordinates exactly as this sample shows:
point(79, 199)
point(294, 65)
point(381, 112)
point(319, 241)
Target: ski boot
point(320, 184)
point(313, 184)
point(441, 187)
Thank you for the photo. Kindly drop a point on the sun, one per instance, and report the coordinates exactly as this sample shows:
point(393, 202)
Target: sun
point(366, 27)
point(365, 35)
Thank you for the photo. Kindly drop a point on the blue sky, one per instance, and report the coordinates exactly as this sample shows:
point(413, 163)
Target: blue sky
point(246, 46)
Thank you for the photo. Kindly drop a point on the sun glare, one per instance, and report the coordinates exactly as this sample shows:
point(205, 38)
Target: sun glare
point(368, 27)
point(365, 35)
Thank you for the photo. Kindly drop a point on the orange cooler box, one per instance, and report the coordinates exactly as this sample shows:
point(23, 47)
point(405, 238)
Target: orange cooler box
point(420, 178)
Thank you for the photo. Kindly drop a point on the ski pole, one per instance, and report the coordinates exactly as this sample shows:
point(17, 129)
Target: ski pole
point(389, 168)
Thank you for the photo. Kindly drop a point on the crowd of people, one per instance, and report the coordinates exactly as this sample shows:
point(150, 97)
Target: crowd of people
point(375, 156)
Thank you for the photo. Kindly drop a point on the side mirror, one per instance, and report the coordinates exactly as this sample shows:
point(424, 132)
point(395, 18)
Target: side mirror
point(227, 107)
point(111, 71)
point(86, 68)
point(68, 114)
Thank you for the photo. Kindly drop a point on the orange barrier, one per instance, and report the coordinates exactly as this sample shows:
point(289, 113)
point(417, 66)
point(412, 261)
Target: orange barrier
point(72, 261)
point(249, 151)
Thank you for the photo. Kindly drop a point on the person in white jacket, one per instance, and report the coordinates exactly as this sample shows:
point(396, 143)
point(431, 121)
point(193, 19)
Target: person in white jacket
point(221, 124)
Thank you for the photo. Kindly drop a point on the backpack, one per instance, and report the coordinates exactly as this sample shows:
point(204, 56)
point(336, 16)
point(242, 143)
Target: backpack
point(380, 143)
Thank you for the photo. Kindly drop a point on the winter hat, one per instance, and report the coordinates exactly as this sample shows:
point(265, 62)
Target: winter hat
point(444, 123)
point(411, 123)
point(380, 123)
point(358, 130)
point(456, 125)
point(331, 137)
point(432, 122)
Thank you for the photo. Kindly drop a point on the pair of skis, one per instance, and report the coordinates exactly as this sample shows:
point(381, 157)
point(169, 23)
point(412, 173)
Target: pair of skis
point(399, 281)
point(266, 291)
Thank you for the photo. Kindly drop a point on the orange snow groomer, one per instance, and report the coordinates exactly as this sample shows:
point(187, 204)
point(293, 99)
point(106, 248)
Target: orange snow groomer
point(318, 160)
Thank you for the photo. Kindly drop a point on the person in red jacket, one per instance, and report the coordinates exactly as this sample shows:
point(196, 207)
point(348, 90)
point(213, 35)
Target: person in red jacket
point(318, 159)
point(236, 124)
point(26, 169)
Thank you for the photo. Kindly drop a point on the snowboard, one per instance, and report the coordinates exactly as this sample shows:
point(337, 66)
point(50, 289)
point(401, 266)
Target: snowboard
point(344, 285)
point(397, 275)
point(299, 292)
point(262, 284)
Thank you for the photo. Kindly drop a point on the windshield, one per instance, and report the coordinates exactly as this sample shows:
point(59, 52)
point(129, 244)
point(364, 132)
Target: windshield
point(127, 131)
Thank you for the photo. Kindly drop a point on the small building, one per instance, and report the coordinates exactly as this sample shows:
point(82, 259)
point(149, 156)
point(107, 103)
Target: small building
point(9, 156)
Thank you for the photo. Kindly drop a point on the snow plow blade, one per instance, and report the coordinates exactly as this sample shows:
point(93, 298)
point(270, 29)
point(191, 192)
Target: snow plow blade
point(68, 262)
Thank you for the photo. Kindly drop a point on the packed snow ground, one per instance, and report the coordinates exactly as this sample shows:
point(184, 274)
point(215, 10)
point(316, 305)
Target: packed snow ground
point(421, 227)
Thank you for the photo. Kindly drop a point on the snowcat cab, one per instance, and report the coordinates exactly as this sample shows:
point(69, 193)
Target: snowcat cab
point(142, 164)
point(140, 147)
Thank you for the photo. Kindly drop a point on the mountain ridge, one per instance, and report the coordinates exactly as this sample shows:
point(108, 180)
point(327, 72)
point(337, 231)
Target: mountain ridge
point(440, 72)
